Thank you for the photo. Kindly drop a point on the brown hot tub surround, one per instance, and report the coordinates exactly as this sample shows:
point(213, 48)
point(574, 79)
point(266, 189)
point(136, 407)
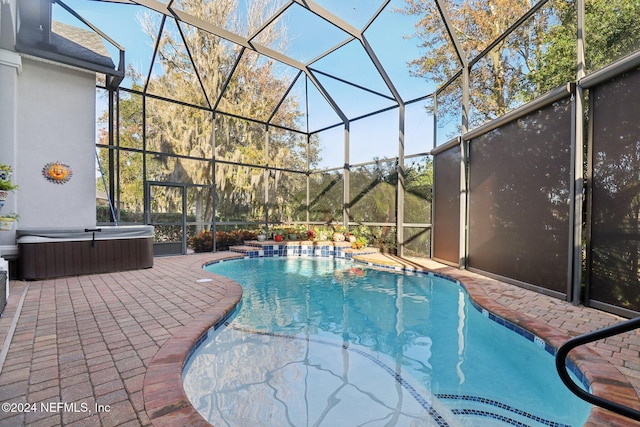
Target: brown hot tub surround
point(45, 253)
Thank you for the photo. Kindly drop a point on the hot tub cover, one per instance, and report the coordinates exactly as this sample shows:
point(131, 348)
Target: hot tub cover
point(36, 235)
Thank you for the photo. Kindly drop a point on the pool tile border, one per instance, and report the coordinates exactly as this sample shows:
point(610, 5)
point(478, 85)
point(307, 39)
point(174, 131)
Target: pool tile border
point(167, 404)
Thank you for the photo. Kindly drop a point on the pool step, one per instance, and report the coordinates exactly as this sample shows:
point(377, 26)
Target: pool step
point(244, 249)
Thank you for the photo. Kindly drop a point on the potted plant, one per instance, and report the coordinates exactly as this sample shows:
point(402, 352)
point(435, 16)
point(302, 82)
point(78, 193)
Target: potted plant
point(292, 233)
point(322, 234)
point(6, 186)
point(5, 172)
point(7, 221)
point(311, 235)
point(360, 243)
point(351, 238)
point(262, 236)
point(338, 233)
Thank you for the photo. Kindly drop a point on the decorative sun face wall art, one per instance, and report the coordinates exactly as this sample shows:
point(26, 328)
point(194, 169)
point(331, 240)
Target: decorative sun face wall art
point(57, 172)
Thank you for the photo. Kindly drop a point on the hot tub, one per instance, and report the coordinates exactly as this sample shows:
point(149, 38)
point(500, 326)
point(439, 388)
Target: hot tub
point(56, 252)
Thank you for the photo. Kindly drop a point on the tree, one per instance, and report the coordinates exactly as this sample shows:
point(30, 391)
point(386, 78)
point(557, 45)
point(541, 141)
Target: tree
point(498, 80)
point(537, 57)
point(612, 30)
point(193, 67)
point(252, 91)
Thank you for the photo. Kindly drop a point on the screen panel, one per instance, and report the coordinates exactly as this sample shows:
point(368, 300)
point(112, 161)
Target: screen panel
point(417, 242)
point(446, 205)
point(240, 193)
point(418, 182)
point(519, 185)
point(614, 277)
point(287, 197)
point(326, 191)
point(372, 192)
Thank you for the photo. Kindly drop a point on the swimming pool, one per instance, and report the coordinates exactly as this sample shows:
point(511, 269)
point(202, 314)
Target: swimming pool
point(329, 342)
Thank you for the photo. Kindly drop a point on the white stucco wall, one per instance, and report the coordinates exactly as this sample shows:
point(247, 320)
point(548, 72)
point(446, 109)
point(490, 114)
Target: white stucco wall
point(10, 69)
point(56, 122)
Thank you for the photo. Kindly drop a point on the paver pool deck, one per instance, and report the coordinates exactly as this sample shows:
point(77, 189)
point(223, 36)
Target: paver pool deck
point(107, 349)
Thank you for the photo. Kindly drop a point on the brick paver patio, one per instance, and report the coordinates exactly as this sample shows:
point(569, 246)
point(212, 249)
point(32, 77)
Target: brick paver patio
point(107, 349)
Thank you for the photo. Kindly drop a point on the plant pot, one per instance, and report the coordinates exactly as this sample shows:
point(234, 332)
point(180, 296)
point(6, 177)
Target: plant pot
point(4, 194)
point(277, 238)
point(352, 238)
point(338, 237)
point(262, 237)
point(293, 237)
point(6, 224)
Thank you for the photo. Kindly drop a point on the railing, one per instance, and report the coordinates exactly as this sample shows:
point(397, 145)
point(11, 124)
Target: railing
point(561, 366)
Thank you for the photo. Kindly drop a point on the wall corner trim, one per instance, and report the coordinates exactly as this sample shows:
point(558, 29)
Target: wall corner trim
point(11, 59)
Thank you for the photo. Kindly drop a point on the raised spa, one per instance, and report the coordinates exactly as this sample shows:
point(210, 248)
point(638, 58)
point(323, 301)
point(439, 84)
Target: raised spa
point(56, 252)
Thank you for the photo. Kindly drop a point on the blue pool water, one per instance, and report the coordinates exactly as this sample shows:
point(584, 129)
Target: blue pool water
point(329, 342)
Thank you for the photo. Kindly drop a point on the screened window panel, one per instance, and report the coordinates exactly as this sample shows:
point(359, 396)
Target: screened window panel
point(188, 136)
point(168, 80)
point(382, 237)
point(130, 185)
point(514, 72)
point(615, 240)
point(166, 206)
point(287, 197)
point(417, 195)
point(327, 149)
point(373, 193)
point(449, 123)
point(612, 32)
point(240, 194)
point(102, 116)
point(103, 206)
point(374, 137)
point(240, 141)
point(199, 205)
point(326, 196)
point(446, 206)
point(287, 149)
point(519, 177)
point(418, 127)
point(417, 242)
point(178, 169)
point(131, 114)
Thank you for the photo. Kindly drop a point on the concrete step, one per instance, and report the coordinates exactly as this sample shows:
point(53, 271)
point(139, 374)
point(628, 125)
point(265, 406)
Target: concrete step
point(243, 249)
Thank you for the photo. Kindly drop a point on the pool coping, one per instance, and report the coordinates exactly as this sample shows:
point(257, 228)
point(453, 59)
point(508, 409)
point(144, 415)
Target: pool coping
point(167, 404)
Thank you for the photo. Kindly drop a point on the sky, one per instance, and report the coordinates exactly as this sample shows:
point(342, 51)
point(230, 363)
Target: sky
point(308, 37)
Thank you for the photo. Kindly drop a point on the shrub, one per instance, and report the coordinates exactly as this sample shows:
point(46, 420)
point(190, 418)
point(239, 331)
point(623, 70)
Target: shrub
point(202, 242)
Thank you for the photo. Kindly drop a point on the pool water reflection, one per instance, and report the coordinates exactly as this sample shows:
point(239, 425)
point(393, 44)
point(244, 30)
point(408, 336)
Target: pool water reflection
point(327, 342)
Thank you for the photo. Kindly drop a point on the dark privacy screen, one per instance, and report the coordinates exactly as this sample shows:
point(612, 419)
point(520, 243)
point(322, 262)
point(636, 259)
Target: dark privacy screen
point(446, 207)
point(519, 182)
point(615, 241)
